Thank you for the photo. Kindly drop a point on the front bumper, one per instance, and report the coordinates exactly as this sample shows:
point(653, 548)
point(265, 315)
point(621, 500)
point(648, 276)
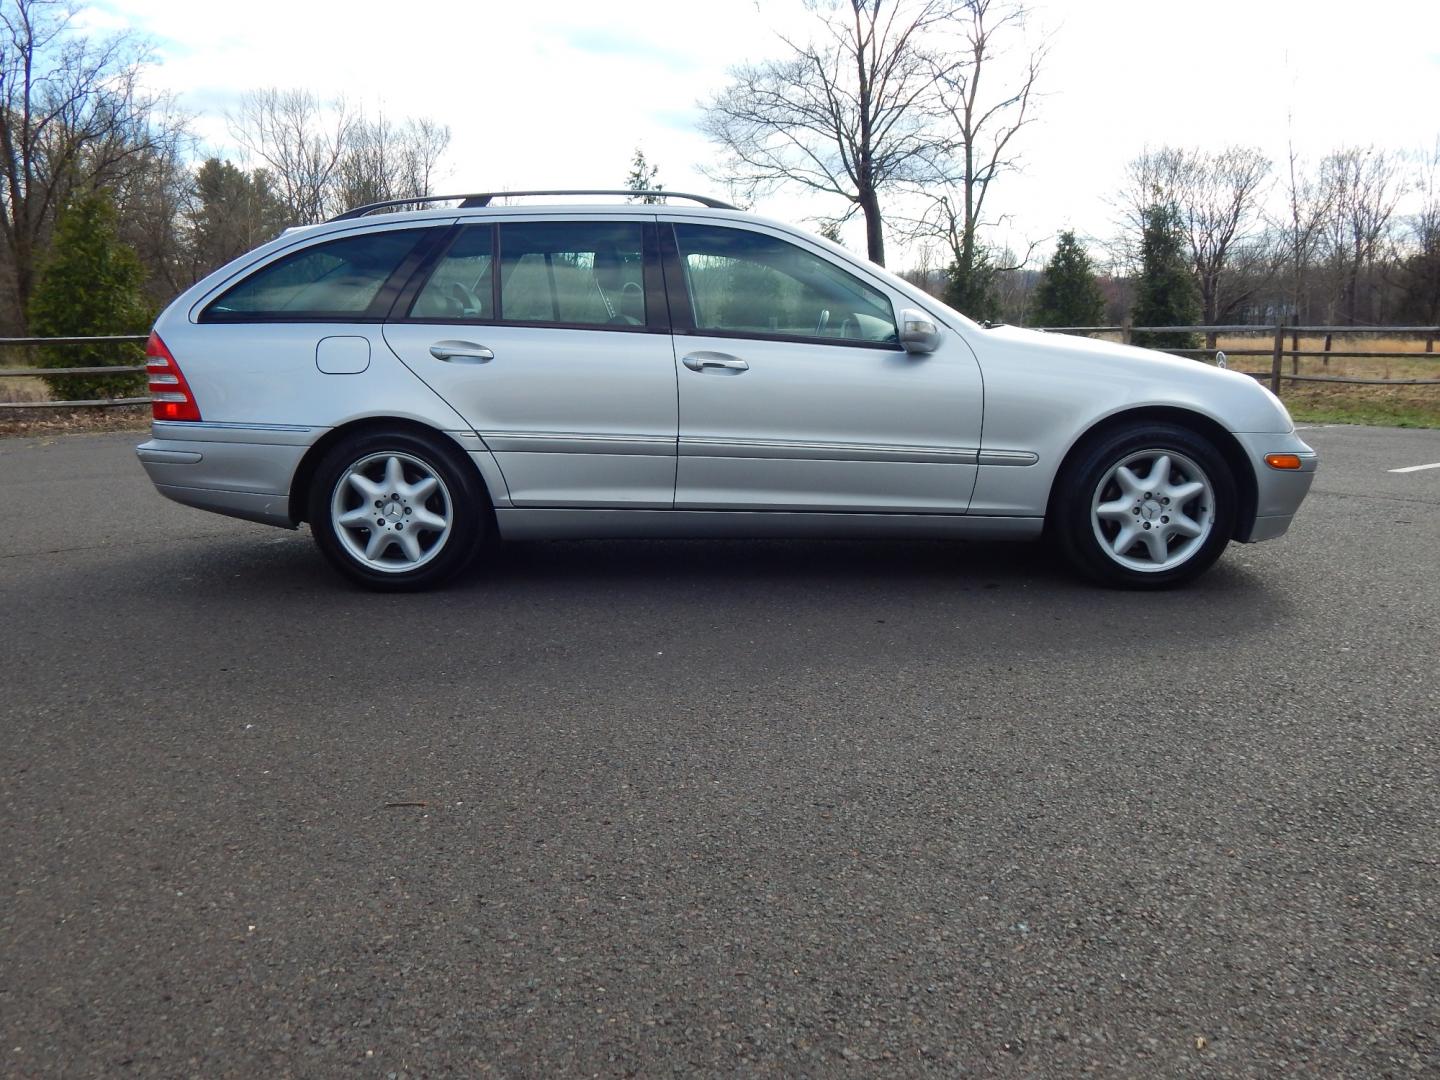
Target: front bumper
point(1279, 492)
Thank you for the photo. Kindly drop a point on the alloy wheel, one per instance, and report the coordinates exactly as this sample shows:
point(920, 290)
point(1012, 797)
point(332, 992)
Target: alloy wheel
point(391, 512)
point(1153, 510)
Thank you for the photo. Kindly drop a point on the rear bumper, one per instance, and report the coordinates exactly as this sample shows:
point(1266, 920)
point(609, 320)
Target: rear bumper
point(266, 509)
point(1279, 492)
point(230, 470)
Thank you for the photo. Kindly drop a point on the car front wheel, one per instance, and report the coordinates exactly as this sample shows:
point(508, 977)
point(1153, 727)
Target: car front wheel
point(1147, 506)
point(396, 511)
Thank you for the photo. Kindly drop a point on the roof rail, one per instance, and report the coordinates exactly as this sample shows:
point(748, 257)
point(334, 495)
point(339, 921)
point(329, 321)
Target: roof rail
point(482, 198)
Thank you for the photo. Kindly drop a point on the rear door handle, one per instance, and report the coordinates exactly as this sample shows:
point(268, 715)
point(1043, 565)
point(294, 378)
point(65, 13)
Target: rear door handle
point(722, 362)
point(461, 352)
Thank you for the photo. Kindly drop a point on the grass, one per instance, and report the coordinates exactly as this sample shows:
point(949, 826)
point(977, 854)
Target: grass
point(1375, 414)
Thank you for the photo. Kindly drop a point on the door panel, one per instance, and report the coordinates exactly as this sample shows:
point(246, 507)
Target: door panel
point(826, 427)
point(794, 391)
point(574, 417)
point(560, 362)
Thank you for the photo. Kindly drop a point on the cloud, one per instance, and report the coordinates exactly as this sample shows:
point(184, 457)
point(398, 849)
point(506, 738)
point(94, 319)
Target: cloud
point(609, 42)
point(559, 94)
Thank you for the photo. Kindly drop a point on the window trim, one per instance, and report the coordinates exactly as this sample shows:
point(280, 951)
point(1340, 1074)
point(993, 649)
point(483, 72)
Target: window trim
point(794, 339)
point(682, 313)
point(375, 312)
point(408, 293)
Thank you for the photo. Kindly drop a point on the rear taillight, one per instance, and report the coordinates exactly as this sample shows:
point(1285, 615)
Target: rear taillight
point(170, 396)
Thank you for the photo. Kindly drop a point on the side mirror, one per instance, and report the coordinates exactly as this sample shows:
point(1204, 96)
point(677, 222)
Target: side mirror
point(919, 333)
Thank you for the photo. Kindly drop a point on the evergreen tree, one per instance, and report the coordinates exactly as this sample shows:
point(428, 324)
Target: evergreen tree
point(90, 285)
point(234, 211)
point(643, 177)
point(1166, 293)
point(1068, 294)
point(970, 289)
point(1420, 281)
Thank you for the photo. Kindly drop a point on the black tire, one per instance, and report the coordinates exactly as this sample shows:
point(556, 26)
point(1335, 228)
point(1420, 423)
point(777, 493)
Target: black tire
point(458, 497)
point(1089, 523)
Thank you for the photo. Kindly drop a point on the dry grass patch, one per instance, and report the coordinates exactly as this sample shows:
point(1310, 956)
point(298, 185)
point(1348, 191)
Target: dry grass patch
point(23, 388)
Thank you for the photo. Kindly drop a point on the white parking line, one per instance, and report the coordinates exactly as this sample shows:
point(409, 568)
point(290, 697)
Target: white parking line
point(1417, 468)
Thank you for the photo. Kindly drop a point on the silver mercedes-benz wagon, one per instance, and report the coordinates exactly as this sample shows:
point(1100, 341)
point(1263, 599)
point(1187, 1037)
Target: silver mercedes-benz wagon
point(414, 384)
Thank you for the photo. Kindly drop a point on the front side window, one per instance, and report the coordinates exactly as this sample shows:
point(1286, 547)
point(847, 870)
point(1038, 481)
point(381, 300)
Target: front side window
point(576, 273)
point(337, 280)
point(743, 282)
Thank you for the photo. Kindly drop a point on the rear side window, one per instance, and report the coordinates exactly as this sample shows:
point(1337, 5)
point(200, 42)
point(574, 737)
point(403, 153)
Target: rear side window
point(575, 273)
point(748, 283)
point(339, 280)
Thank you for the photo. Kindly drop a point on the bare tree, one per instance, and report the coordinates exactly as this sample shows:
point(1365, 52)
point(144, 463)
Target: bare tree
point(73, 117)
point(984, 123)
point(382, 160)
point(1419, 273)
point(300, 141)
point(1219, 200)
point(1015, 287)
point(151, 200)
point(855, 112)
point(1364, 188)
point(326, 157)
point(924, 272)
point(1307, 206)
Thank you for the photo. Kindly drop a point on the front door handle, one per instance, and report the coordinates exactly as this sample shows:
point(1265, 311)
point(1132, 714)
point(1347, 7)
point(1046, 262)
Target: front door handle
point(461, 352)
point(723, 363)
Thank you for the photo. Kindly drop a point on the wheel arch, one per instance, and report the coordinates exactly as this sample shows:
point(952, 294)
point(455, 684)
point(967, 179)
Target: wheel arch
point(1225, 443)
point(305, 471)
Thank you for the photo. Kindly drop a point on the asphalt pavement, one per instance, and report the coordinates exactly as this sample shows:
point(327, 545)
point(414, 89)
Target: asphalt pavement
point(702, 808)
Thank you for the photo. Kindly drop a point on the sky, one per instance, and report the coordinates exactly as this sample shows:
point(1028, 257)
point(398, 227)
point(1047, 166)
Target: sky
point(560, 93)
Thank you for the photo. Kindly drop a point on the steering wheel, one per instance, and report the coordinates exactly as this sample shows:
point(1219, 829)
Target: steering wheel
point(468, 301)
point(850, 327)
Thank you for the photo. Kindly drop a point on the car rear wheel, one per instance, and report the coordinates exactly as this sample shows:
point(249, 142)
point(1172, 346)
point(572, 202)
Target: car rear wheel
point(396, 511)
point(1146, 506)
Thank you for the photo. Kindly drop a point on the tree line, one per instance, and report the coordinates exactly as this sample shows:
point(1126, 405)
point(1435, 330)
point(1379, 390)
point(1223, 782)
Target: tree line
point(881, 106)
point(912, 111)
point(1225, 237)
point(81, 134)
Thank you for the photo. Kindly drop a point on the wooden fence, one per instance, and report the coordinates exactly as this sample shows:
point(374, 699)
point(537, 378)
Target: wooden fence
point(1273, 342)
point(1273, 339)
point(106, 403)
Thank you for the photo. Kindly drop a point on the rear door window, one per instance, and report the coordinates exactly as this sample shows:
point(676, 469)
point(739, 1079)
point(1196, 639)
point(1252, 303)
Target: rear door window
point(340, 280)
point(574, 273)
